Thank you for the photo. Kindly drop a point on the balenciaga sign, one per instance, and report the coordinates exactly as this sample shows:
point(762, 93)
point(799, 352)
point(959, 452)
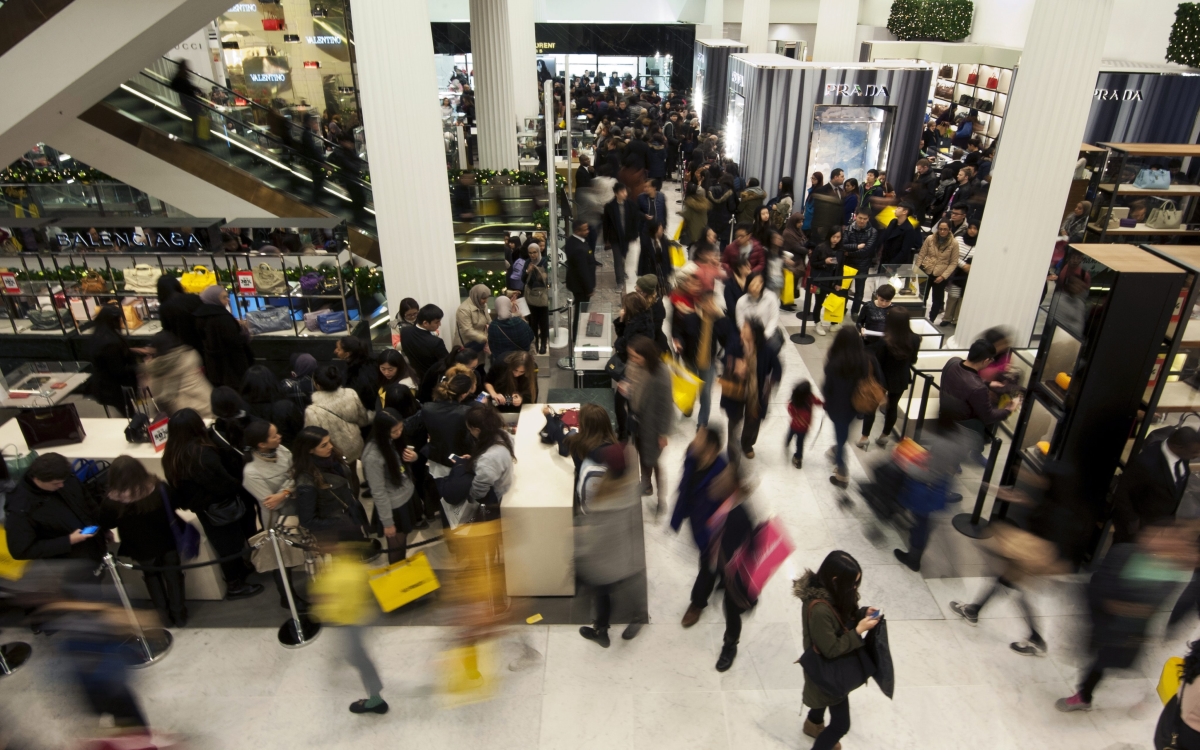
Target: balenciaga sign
point(134, 240)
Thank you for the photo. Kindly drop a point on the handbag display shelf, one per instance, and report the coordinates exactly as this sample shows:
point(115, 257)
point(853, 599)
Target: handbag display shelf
point(1134, 176)
point(47, 295)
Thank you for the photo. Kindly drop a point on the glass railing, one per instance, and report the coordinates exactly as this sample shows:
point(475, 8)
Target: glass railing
point(76, 199)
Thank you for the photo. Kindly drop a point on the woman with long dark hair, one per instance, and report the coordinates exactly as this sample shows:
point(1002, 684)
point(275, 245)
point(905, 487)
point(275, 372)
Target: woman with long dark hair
point(826, 264)
point(896, 353)
point(512, 381)
point(325, 497)
point(361, 374)
point(832, 628)
point(846, 365)
point(203, 485)
point(393, 369)
point(114, 364)
point(647, 385)
point(491, 457)
point(755, 366)
point(384, 459)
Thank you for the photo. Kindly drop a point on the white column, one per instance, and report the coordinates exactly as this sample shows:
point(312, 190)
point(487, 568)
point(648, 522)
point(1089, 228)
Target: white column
point(837, 22)
point(400, 111)
point(1046, 116)
point(495, 109)
point(524, 58)
point(714, 21)
point(756, 16)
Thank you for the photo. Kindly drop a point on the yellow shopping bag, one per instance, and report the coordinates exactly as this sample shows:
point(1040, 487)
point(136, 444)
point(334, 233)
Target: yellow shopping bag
point(403, 582)
point(685, 385)
point(1168, 681)
point(787, 295)
point(9, 568)
point(678, 259)
point(678, 231)
point(887, 213)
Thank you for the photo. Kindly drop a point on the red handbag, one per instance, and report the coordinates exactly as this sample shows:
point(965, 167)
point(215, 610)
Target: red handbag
point(972, 78)
point(993, 82)
point(272, 24)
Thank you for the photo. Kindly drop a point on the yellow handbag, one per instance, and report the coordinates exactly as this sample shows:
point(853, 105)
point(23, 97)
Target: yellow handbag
point(685, 385)
point(1168, 681)
point(678, 259)
point(675, 236)
point(403, 582)
point(787, 295)
point(198, 279)
point(133, 314)
point(9, 568)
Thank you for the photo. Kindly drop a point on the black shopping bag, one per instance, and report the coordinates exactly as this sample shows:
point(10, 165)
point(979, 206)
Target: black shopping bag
point(51, 425)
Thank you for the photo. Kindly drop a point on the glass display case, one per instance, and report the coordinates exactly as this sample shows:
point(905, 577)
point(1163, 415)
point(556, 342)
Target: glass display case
point(910, 283)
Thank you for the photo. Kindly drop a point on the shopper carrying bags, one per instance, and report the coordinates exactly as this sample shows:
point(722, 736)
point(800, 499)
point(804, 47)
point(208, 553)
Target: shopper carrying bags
point(832, 631)
point(384, 459)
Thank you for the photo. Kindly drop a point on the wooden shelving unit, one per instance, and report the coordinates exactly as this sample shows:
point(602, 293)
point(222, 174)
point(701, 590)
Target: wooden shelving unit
point(1113, 187)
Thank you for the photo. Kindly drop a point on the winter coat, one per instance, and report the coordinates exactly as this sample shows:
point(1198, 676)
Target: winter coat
point(896, 372)
point(695, 218)
point(824, 631)
point(142, 525)
point(444, 424)
point(341, 413)
point(423, 349)
point(225, 347)
point(721, 212)
point(389, 497)
point(508, 336)
point(695, 503)
point(653, 409)
point(113, 367)
point(470, 324)
point(609, 544)
point(176, 379)
point(656, 162)
point(732, 251)
point(40, 523)
point(749, 202)
point(638, 325)
point(937, 261)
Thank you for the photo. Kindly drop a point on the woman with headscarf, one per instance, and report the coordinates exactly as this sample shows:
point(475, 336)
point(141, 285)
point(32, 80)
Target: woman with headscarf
point(508, 333)
point(299, 386)
point(471, 320)
point(225, 343)
point(1075, 224)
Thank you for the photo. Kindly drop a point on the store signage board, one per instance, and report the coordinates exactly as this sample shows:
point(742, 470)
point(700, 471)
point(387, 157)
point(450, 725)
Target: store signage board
point(245, 281)
point(1118, 95)
point(854, 89)
point(324, 39)
point(158, 434)
point(166, 240)
point(243, 8)
point(9, 280)
point(268, 77)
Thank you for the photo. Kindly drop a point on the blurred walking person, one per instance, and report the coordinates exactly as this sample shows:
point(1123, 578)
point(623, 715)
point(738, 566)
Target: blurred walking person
point(752, 371)
point(647, 385)
point(846, 366)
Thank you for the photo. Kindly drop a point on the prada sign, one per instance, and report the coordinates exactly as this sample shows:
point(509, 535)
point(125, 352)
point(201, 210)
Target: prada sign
point(1118, 95)
point(131, 240)
point(854, 89)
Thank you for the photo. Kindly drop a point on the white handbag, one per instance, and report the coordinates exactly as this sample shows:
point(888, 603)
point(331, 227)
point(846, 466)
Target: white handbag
point(1165, 216)
point(143, 279)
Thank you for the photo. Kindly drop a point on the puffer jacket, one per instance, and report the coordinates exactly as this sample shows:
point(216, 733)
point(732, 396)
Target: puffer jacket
point(177, 381)
point(341, 413)
point(823, 630)
point(749, 202)
point(935, 261)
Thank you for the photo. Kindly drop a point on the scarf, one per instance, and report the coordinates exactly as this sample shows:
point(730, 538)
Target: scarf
point(272, 455)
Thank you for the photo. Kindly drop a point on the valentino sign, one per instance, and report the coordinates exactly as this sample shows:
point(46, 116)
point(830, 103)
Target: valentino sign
point(79, 240)
point(854, 89)
point(268, 77)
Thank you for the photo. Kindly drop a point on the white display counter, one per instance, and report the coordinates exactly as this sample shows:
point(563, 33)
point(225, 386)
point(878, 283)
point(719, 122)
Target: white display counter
point(537, 514)
point(105, 441)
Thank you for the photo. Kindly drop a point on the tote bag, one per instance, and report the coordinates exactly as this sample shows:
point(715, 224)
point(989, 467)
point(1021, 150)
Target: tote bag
point(143, 279)
point(1152, 179)
point(1165, 216)
point(51, 425)
point(268, 280)
point(197, 280)
point(403, 582)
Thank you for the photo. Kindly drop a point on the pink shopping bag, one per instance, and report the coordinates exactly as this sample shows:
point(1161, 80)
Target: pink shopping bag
point(756, 562)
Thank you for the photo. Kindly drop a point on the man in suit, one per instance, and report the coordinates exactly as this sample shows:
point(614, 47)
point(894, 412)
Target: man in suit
point(581, 269)
point(1153, 482)
point(621, 222)
point(834, 186)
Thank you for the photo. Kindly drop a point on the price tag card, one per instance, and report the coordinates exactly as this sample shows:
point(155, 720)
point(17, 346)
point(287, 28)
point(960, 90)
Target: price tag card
point(158, 434)
point(9, 279)
point(245, 281)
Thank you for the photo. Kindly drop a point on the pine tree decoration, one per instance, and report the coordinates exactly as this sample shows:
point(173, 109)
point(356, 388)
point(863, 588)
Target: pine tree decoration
point(943, 20)
point(905, 19)
point(1184, 44)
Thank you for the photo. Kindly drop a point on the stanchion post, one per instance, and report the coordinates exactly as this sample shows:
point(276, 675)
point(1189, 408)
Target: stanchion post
point(803, 337)
point(13, 656)
point(155, 642)
point(299, 631)
point(972, 524)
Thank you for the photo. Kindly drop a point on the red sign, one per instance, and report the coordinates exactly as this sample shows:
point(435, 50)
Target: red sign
point(312, 63)
point(245, 281)
point(9, 279)
point(158, 434)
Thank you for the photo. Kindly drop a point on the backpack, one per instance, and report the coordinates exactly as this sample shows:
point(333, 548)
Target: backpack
point(588, 469)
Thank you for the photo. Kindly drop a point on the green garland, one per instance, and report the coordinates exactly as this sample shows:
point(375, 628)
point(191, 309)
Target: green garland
point(23, 175)
point(469, 276)
point(505, 177)
point(944, 20)
point(1184, 44)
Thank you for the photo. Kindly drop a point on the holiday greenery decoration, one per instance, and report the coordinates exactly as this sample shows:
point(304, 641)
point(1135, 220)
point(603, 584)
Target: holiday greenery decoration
point(503, 177)
point(541, 218)
point(1184, 44)
point(943, 20)
point(20, 174)
point(469, 276)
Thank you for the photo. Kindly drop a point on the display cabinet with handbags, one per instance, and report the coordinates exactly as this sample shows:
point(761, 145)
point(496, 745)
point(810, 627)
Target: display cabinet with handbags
point(1141, 197)
point(1105, 340)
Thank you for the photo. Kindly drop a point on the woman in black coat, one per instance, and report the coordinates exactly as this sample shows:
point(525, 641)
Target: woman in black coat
point(114, 365)
point(202, 485)
point(176, 308)
point(47, 512)
point(224, 344)
point(826, 264)
point(635, 319)
point(362, 374)
point(134, 506)
point(896, 353)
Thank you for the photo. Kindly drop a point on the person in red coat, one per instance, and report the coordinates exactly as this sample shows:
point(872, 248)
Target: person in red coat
point(744, 245)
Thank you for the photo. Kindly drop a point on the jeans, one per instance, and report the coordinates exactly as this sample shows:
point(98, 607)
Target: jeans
point(938, 292)
point(356, 655)
point(841, 432)
point(839, 724)
point(889, 417)
point(706, 394)
point(800, 438)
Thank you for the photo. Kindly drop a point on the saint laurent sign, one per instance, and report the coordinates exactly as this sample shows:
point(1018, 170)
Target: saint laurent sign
point(854, 89)
point(167, 240)
point(1118, 95)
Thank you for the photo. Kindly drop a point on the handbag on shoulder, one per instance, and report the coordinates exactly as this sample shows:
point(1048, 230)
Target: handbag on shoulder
point(868, 395)
point(225, 512)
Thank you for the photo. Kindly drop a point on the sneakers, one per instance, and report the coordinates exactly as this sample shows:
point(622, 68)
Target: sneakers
point(728, 654)
point(966, 611)
point(881, 441)
point(821, 329)
point(1029, 647)
point(1074, 703)
point(797, 461)
point(692, 616)
point(864, 442)
point(599, 636)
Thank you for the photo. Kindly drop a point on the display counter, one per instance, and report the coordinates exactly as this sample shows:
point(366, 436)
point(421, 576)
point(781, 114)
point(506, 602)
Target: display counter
point(105, 441)
point(36, 384)
point(537, 514)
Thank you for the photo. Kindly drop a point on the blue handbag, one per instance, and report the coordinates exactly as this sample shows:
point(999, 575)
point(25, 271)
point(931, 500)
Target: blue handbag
point(331, 321)
point(1152, 179)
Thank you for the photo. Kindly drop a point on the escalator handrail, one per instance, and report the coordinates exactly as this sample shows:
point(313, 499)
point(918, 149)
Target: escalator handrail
point(292, 152)
point(255, 105)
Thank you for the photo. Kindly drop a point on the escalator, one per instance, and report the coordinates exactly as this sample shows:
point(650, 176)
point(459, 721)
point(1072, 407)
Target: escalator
point(228, 146)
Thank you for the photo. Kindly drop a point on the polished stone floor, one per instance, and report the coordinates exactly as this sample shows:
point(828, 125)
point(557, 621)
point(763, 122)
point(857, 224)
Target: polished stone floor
point(956, 685)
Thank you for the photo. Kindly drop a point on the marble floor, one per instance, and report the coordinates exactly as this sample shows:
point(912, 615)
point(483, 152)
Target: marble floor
point(956, 685)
